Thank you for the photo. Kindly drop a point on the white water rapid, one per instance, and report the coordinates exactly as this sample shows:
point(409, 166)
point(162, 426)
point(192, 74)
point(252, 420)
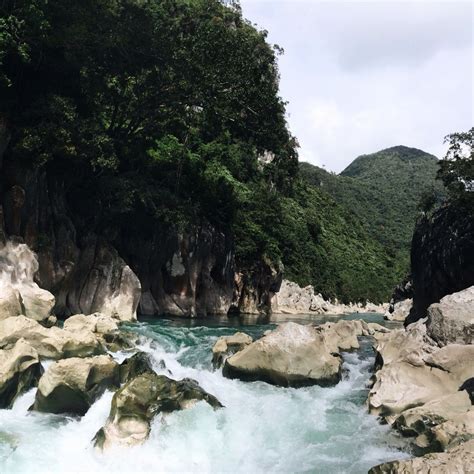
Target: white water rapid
point(261, 429)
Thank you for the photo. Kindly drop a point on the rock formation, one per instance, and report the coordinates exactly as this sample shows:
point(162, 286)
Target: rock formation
point(136, 404)
point(53, 343)
point(291, 355)
point(441, 264)
point(459, 459)
point(451, 320)
point(184, 273)
point(138, 364)
point(20, 369)
point(292, 299)
point(400, 310)
point(19, 294)
point(228, 345)
point(72, 385)
point(423, 386)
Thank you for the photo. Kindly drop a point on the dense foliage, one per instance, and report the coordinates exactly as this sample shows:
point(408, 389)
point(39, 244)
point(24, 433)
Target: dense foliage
point(155, 113)
point(384, 191)
point(457, 169)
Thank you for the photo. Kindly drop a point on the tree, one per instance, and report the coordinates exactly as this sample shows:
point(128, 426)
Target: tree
point(457, 168)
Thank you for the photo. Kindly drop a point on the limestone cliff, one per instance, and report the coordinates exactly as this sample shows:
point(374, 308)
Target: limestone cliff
point(442, 257)
point(90, 268)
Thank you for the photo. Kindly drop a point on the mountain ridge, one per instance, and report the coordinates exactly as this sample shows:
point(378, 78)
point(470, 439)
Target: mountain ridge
point(383, 190)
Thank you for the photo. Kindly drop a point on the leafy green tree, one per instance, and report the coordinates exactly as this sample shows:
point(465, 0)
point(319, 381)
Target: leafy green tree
point(457, 168)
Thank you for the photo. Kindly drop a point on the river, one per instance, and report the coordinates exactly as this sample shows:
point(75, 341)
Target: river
point(262, 428)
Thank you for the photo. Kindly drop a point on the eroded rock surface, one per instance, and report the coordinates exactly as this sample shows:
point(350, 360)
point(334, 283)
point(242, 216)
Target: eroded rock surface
point(411, 374)
point(136, 404)
point(226, 346)
point(458, 460)
point(421, 422)
point(138, 364)
point(291, 355)
point(342, 335)
point(53, 343)
point(293, 299)
point(451, 321)
point(19, 294)
point(72, 385)
point(400, 310)
point(20, 369)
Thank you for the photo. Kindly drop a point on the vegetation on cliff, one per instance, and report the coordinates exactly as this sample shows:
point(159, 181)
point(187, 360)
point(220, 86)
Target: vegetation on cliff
point(384, 191)
point(149, 114)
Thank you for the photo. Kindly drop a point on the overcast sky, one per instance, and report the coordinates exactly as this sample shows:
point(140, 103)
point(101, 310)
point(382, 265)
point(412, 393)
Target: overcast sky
point(363, 76)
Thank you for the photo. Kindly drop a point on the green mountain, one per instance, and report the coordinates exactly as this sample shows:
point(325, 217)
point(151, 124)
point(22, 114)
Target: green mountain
point(383, 190)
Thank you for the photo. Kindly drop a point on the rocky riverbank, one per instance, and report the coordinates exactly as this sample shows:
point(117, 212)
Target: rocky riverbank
point(423, 382)
point(423, 386)
point(292, 299)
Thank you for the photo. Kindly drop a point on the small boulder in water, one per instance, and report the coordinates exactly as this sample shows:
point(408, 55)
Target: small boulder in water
point(136, 404)
point(226, 346)
point(291, 355)
point(20, 369)
point(72, 385)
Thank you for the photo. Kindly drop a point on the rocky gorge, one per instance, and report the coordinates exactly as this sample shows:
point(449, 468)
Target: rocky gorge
point(422, 384)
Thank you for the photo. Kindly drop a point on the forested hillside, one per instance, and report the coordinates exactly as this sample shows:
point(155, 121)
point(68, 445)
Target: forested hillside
point(384, 190)
point(157, 118)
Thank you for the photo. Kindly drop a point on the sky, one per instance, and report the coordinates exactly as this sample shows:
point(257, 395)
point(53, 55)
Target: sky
point(363, 76)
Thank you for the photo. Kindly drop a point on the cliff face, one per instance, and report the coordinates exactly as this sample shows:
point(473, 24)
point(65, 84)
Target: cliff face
point(180, 273)
point(442, 257)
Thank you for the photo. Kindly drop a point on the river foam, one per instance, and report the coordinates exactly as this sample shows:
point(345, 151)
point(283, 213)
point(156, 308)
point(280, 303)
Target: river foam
point(262, 428)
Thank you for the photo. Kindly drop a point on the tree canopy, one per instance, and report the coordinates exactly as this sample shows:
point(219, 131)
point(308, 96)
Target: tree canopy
point(154, 113)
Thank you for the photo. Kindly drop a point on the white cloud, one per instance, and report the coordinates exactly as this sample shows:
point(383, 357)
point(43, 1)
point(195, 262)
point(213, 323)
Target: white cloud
point(360, 77)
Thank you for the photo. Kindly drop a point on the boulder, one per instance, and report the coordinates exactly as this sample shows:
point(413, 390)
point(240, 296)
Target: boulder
point(19, 293)
point(226, 346)
point(20, 369)
point(459, 459)
point(72, 385)
point(411, 345)
point(421, 421)
point(401, 310)
point(53, 343)
point(413, 371)
point(377, 329)
point(292, 299)
point(10, 302)
point(342, 335)
point(451, 321)
point(455, 359)
point(452, 432)
point(400, 385)
point(291, 355)
point(97, 323)
point(136, 404)
point(140, 363)
point(37, 303)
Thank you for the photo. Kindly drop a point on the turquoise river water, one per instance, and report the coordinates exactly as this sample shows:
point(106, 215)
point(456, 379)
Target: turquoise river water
point(261, 429)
